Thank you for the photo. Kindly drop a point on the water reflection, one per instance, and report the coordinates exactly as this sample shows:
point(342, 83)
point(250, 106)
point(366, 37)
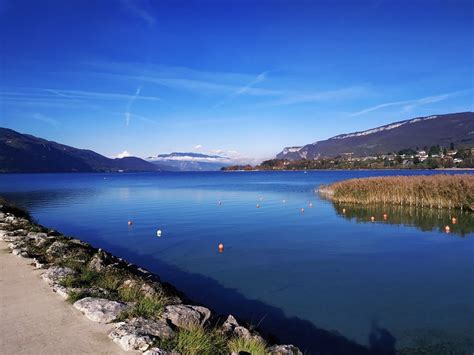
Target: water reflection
point(424, 219)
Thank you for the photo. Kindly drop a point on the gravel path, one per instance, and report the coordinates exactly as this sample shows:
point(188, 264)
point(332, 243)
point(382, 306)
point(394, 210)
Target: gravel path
point(34, 320)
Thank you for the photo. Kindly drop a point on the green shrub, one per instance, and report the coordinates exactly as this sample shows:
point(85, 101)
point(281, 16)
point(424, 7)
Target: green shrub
point(199, 341)
point(148, 307)
point(253, 346)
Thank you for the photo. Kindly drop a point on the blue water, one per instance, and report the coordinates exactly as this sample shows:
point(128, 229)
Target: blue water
point(315, 279)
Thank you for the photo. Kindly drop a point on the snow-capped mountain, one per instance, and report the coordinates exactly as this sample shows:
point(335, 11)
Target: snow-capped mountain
point(457, 128)
point(191, 161)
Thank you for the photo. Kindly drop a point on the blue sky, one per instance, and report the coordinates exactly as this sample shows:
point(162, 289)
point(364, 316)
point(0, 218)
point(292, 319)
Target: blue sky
point(241, 78)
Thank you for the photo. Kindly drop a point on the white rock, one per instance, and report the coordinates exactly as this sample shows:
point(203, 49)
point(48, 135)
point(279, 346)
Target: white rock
point(17, 251)
point(9, 237)
point(232, 328)
point(284, 350)
point(38, 264)
point(61, 290)
point(55, 274)
point(100, 309)
point(186, 315)
point(158, 351)
point(140, 333)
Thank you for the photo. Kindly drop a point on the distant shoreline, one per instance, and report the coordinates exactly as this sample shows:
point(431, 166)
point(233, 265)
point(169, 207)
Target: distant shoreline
point(221, 171)
point(399, 169)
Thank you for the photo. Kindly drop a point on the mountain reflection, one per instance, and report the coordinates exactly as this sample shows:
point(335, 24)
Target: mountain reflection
point(424, 219)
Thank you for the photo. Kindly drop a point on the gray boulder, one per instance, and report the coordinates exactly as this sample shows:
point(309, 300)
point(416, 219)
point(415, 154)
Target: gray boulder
point(38, 239)
point(55, 274)
point(60, 290)
point(284, 350)
point(20, 252)
point(100, 309)
point(57, 249)
point(97, 262)
point(233, 329)
point(140, 333)
point(38, 264)
point(10, 236)
point(183, 316)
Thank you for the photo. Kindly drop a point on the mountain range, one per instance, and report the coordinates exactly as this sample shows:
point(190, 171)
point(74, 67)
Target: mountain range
point(21, 153)
point(26, 153)
point(456, 128)
point(190, 161)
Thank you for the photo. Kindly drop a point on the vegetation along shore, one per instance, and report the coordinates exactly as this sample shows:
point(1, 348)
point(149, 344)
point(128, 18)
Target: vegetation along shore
point(434, 191)
point(148, 315)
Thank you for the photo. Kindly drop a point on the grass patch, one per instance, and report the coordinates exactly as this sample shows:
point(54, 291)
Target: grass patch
point(86, 278)
point(253, 346)
point(165, 344)
point(199, 341)
point(438, 191)
point(130, 294)
point(147, 307)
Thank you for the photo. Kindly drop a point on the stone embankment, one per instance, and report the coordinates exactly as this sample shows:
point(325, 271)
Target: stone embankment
point(148, 315)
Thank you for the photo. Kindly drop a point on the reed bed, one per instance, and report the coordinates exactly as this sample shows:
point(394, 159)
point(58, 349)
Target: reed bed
point(432, 191)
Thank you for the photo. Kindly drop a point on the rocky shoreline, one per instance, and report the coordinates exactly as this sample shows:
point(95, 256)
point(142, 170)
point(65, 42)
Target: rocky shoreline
point(148, 315)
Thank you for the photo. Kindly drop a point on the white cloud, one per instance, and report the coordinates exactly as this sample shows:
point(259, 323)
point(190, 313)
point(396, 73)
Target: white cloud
point(45, 119)
point(408, 105)
point(198, 147)
point(124, 154)
point(81, 94)
point(139, 12)
point(244, 89)
point(130, 104)
point(300, 98)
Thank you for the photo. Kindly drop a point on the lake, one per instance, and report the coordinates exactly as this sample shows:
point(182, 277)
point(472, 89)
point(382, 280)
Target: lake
point(322, 279)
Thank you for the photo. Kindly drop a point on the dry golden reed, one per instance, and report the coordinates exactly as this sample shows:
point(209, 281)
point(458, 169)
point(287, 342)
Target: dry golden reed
point(433, 191)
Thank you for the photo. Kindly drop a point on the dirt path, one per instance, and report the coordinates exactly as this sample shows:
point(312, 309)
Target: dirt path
point(34, 320)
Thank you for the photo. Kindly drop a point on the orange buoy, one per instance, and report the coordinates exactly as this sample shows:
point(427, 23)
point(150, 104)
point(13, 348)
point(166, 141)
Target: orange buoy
point(220, 247)
point(302, 210)
point(372, 219)
point(447, 229)
point(385, 216)
point(343, 210)
point(454, 220)
point(258, 205)
point(130, 223)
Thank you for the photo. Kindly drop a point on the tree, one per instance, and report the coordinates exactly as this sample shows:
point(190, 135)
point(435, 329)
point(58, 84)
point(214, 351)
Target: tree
point(451, 146)
point(434, 150)
point(432, 163)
